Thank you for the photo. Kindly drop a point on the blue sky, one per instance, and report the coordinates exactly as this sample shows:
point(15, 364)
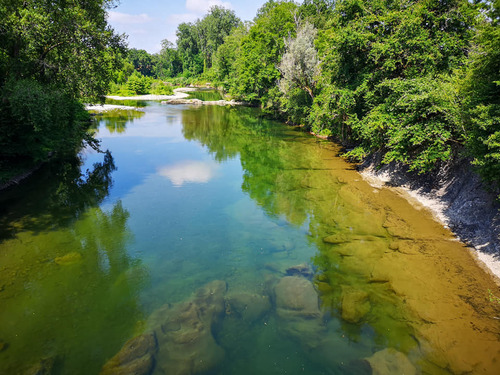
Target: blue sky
point(148, 22)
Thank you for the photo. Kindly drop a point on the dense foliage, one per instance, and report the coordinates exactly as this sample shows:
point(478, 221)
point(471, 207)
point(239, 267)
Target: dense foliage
point(481, 96)
point(416, 80)
point(53, 54)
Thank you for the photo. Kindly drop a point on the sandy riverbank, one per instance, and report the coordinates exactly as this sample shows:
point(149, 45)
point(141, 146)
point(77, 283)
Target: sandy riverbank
point(108, 107)
point(180, 93)
point(455, 196)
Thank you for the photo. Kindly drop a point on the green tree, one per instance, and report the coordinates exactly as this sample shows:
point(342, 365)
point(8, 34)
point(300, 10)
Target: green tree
point(167, 62)
point(481, 95)
point(383, 66)
point(213, 28)
point(223, 61)
point(188, 47)
point(52, 54)
point(66, 44)
point(255, 73)
point(138, 84)
point(317, 12)
point(142, 61)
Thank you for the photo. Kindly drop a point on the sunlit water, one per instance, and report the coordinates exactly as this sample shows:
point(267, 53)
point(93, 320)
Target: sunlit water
point(189, 195)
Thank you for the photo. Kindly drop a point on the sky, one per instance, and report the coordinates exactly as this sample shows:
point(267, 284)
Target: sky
point(148, 22)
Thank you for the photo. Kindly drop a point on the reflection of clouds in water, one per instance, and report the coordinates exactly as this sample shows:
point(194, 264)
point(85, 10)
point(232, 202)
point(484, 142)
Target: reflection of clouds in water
point(189, 171)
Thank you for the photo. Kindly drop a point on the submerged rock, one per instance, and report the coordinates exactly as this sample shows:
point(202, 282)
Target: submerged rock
point(355, 304)
point(70, 258)
point(43, 367)
point(136, 357)
point(184, 332)
point(179, 338)
point(249, 307)
point(296, 296)
point(298, 311)
point(341, 238)
point(390, 361)
point(3, 346)
point(303, 269)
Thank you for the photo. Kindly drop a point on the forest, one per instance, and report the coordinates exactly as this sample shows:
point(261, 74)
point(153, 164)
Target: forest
point(416, 80)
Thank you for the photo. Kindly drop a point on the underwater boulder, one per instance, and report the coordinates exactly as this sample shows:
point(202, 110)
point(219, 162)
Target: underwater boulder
point(249, 307)
point(297, 297)
point(179, 338)
point(135, 357)
point(298, 313)
point(355, 304)
point(390, 361)
point(42, 367)
point(186, 344)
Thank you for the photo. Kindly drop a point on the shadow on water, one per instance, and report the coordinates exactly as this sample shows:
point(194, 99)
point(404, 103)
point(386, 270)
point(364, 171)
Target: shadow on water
point(68, 287)
point(59, 193)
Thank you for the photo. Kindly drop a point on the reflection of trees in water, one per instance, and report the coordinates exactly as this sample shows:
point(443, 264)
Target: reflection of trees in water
point(82, 294)
point(116, 120)
point(287, 174)
point(276, 168)
point(83, 285)
point(58, 194)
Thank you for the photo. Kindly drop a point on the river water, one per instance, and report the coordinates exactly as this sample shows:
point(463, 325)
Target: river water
point(241, 246)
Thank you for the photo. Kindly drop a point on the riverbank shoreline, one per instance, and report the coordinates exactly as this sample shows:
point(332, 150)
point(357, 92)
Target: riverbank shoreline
point(180, 96)
point(456, 197)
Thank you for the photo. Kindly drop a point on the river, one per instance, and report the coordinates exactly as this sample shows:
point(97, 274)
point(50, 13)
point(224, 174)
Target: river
point(240, 246)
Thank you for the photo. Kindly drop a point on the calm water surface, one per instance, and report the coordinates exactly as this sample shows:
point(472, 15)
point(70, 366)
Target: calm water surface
point(93, 255)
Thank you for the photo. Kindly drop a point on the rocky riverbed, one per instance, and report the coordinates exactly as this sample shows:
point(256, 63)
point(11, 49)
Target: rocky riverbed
point(182, 338)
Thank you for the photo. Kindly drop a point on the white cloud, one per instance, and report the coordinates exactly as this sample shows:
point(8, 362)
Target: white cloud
point(176, 19)
point(128, 19)
point(189, 171)
point(202, 6)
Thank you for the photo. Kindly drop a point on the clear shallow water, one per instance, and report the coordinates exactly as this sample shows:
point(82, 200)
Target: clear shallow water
point(187, 196)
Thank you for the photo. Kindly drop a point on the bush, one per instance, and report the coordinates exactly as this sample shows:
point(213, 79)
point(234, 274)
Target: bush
point(160, 88)
point(138, 84)
point(37, 121)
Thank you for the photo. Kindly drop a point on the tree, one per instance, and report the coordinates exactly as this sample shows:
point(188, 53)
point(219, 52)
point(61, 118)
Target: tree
point(66, 44)
point(167, 63)
point(213, 28)
point(142, 61)
point(255, 74)
point(52, 55)
point(300, 64)
point(317, 11)
point(188, 47)
point(481, 95)
point(386, 77)
point(223, 61)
